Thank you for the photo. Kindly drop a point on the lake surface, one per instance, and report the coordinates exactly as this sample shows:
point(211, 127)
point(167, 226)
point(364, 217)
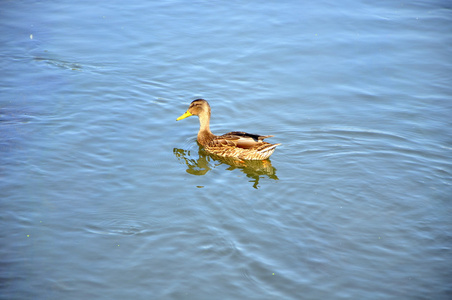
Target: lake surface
point(103, 195)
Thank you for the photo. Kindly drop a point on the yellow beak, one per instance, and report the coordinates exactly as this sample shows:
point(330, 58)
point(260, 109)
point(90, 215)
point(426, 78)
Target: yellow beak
point(186, 115)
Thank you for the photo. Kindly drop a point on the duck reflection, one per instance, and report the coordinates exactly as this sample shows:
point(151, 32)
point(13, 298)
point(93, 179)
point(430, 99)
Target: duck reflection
point(205, 162)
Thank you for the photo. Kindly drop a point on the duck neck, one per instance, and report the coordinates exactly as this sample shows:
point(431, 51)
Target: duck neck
point(204, 134)
point(204, 122)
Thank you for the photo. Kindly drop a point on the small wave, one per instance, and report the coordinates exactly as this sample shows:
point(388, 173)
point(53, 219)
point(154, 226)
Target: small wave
point(119, 227)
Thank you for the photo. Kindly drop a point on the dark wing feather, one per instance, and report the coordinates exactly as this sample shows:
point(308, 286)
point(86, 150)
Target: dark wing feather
point(255, 137)
point(240, 139)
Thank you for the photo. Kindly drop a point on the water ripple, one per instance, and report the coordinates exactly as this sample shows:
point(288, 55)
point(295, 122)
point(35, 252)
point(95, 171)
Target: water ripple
point(119, 227)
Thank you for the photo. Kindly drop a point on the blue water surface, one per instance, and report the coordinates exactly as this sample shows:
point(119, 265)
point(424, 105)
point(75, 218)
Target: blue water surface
point(103, 195)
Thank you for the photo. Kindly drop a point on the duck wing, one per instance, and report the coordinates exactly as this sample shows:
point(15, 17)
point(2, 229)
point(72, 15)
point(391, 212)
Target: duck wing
point(240, 139)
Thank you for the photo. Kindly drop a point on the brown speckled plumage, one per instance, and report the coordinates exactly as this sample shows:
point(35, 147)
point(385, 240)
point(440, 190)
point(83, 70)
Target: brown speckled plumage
point(234, 144)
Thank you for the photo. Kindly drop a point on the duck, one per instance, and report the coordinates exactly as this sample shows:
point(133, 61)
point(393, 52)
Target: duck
point(236, 144)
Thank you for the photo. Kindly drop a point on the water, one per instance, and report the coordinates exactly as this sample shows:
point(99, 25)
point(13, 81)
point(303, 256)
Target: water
point(105, 196)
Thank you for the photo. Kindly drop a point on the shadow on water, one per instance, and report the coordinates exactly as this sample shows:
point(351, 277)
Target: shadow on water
point(205, 162)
